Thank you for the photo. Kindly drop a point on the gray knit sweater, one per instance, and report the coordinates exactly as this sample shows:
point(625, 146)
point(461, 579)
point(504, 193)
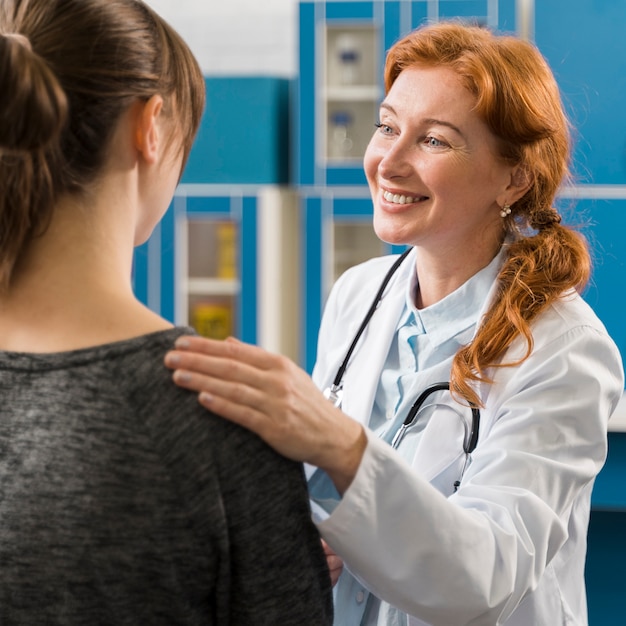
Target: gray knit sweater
point(122, 501)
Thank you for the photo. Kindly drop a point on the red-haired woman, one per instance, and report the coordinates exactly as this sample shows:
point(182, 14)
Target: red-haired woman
point(469, 419)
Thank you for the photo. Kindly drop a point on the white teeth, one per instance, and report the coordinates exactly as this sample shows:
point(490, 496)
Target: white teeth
point(397, 198)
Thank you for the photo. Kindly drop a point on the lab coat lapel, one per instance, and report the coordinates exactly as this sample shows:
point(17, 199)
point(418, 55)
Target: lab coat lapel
point(364, 371)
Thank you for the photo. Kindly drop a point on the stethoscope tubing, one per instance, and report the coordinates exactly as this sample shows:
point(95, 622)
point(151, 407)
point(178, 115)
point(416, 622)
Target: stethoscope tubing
point(469, 443)
point(334, 391)
point(368, 316)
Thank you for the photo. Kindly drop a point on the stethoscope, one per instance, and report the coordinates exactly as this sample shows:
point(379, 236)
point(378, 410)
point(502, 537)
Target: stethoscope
point(335, 392)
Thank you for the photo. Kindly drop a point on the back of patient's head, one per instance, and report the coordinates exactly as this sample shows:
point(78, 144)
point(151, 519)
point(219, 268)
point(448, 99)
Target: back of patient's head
point(68, 70)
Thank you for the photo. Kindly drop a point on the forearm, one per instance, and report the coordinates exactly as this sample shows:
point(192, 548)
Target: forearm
point(422, 548)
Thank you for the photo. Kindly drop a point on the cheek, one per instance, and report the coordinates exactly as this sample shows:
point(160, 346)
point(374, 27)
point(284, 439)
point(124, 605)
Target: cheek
point(370, 162)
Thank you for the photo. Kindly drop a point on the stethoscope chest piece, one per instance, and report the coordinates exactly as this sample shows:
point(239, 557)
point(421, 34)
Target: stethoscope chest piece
point(334, 393)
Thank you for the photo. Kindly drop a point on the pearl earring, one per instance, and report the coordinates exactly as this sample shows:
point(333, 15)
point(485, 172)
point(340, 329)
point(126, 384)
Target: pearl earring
point(506, 210)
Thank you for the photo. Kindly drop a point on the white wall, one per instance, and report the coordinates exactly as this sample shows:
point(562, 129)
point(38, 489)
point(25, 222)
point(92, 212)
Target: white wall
point(237, 37)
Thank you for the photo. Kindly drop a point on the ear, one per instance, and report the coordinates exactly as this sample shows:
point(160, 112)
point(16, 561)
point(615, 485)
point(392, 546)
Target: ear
point(147, 131)
point(520, 181)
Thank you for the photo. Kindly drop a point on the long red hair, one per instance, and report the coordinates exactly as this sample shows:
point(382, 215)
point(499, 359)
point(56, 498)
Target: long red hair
point(519, 100)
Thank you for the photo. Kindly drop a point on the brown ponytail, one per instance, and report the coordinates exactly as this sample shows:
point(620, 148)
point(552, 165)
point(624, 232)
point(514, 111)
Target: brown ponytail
point(518, 98)
point(32, 115)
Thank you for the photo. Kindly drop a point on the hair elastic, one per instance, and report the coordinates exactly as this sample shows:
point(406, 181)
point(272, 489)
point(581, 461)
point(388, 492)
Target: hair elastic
point(22, 39)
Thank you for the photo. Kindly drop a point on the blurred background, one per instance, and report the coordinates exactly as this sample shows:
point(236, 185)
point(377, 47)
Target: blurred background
point(238, 36)
point(273, 204)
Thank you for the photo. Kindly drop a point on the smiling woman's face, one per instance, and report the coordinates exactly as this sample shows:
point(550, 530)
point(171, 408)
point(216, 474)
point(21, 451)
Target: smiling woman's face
point(432, 167)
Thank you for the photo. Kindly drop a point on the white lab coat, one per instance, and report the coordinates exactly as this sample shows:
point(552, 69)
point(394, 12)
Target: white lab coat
point(509, 546)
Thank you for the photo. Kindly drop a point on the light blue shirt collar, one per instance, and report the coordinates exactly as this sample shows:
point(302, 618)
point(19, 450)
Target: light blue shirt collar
point(458, 310)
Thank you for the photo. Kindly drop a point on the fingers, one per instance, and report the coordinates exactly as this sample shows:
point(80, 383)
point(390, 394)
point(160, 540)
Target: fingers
point(230, 380)
point(335, 563)
point(230, 348)
point(229, 359)
point(223, 386)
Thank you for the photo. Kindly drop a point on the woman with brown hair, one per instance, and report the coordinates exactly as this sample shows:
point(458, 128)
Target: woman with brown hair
point(470, 405)
point(121, 500)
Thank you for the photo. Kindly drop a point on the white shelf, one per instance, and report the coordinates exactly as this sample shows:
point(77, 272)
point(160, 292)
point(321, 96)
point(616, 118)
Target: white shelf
point(211, 287)
point(352, 93)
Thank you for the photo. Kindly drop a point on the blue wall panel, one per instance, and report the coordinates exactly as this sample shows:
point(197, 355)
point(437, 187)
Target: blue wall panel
point(350, 10)
point(392, 28)
point(474, 10)
point(248, 271)
point(606, 292)
point(586, 48)
point(419, 13)
point(507, 15)
point(140, 273)
point(312, 305)
point(244, 133)
point(306, 99)
point(168, 269)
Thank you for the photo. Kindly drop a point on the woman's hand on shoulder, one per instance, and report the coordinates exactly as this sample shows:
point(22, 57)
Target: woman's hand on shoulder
point(271, 396)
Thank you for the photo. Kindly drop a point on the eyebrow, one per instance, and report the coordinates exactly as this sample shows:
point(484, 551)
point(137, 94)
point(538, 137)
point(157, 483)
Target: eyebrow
point(430, 121)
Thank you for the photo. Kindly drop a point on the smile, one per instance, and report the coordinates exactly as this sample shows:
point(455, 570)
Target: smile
point(397, 198)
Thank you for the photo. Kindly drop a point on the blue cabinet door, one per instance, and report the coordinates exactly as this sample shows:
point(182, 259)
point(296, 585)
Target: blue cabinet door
point(199, 266)
point(339, 88)
point(337, 233)
point(340, 84)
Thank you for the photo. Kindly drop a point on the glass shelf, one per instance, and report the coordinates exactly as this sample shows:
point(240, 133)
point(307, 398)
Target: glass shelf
point(353, 243)
point(212, 287)
point(349, 92)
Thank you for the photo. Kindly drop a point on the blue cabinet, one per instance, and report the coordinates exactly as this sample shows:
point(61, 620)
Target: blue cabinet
point(243, 137)
point(605, 571)
point(336, 227)
point(199, 266)
point(224, 261)
point(342, 54)
point(592, 76)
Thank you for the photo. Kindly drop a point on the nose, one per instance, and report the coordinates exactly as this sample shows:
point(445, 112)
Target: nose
point(395, 160)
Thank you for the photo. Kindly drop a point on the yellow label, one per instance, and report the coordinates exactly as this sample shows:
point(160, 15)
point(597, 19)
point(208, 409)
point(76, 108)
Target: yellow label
point(226, 250)
point(212, 320)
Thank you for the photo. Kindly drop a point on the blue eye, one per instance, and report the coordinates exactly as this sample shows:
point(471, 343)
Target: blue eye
point(432, 142)
point(383, 127)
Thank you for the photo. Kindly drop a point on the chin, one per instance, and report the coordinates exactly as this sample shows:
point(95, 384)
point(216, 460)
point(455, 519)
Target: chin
point(391, 234)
